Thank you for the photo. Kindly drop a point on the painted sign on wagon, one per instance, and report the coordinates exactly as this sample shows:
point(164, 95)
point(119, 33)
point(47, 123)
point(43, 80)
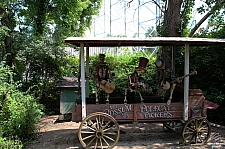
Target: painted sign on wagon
point(121, 110)
point(146, 111)
point(155, 111)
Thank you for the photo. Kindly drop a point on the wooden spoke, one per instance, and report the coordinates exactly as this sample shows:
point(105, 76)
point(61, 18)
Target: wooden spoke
point(196, 130)
point(90, 136)
point(99, 130)
point(92, 140)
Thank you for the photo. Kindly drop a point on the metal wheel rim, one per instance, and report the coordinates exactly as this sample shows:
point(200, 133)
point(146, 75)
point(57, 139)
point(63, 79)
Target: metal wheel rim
point(99, 130)
point(196, 131)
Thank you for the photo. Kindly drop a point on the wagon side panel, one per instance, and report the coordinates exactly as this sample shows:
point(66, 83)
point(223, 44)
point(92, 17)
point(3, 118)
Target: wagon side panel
point(147, 112)
point(153, 112)
point(121, 112)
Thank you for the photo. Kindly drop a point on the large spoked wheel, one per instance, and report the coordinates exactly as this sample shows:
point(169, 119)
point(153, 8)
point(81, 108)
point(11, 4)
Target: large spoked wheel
point(99, 130)
point(196, 131)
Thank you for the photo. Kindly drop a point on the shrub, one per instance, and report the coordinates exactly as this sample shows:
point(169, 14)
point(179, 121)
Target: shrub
point(10, 143)
point(19, 111)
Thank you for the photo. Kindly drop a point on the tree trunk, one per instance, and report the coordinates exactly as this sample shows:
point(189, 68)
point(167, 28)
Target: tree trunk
point(40, 17)
point(172, 18)
point(8, 50)
point(172, 29)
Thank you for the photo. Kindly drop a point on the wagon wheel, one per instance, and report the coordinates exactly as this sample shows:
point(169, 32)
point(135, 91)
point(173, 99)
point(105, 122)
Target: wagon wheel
point(173, 125)
point(99, 130)
point(196, 130)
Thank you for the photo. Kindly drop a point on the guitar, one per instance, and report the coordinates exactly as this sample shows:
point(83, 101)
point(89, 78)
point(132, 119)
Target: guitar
point(108, 87)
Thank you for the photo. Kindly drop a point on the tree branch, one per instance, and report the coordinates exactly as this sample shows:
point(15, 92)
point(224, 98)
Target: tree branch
point(199, 24)
point(214, 8)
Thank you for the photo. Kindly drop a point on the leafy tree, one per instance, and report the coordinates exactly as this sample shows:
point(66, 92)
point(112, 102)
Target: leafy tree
point(68, 18)
point(52, 19)
point(40, 68)
point(33, 34)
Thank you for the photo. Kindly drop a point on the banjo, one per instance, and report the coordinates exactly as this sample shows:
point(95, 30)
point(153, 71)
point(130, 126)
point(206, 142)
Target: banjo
point(108, 87)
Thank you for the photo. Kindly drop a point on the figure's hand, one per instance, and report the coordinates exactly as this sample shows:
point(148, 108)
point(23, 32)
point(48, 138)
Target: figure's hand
point(97, 84)
point(150, 90)
point(135, 84)
point(141, 84)
point(107, 84)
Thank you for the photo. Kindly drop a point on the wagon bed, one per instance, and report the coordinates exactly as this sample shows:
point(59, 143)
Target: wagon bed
point(148, 112)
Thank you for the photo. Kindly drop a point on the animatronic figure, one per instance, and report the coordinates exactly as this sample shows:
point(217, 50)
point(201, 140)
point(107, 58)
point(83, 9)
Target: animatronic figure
point(135, 81)
point(103, 82)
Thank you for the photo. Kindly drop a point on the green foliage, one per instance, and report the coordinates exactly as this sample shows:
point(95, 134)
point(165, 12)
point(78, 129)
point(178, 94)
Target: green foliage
point(211, 74)
point(41, 59)
point(32, 37)
point(19, 113)
point(71, 67)
point(123, 65)
point(38, 67)
point(187, 7)
point(13, 143)
point(68, 18)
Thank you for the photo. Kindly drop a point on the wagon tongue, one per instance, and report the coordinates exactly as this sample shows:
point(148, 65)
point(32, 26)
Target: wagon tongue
point(211, 105)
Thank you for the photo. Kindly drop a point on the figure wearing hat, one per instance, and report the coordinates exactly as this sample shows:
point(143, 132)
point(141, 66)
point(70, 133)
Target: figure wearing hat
point(103, 80)
point(135, 81)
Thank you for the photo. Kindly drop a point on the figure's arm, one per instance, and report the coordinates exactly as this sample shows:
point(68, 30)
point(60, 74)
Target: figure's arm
point(112, 75)
point(94, 76)
point(131, 82)
point(95, 73)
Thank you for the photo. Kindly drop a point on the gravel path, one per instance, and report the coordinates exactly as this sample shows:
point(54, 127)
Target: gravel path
point(137, 136)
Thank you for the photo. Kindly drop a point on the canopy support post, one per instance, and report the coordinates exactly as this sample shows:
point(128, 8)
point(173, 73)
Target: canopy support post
point(83, 94)
point(186, 82)
point(87, 71)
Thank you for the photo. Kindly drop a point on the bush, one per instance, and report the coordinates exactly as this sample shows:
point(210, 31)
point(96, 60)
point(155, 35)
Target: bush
point(11, 143)
point(19, 111)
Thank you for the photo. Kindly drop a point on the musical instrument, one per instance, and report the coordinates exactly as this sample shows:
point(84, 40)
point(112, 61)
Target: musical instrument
point(108, 87)
point(141, 82)
point(179, 80)
point(165, 85)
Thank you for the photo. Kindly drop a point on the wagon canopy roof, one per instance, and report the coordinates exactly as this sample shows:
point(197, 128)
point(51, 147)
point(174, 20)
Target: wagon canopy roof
point(151, 41)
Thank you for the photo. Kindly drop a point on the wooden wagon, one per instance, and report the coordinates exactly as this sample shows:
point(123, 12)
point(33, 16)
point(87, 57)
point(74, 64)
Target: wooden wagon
point(187, 112)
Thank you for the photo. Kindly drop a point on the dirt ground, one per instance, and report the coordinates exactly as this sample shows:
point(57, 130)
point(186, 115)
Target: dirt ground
point(63, 135)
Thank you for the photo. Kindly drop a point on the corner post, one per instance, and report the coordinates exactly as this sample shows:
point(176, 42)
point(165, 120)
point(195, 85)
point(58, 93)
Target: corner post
point(83, 93)
point(87, 71)
point(186, 82)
